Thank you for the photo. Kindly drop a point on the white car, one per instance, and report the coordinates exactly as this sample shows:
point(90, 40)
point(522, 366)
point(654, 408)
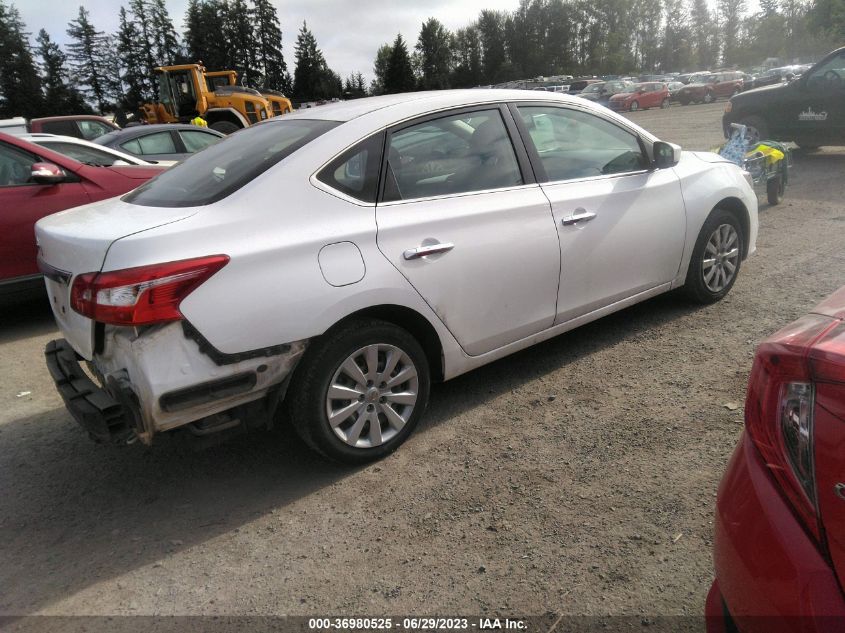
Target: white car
point(86, 151)
point(329, 265)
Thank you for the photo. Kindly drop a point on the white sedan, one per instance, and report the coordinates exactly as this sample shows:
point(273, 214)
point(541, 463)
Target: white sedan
point(327, 266)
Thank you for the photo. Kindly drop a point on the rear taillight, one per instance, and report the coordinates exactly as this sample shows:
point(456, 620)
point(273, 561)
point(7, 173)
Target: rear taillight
point(779, 411)
point(143, 295)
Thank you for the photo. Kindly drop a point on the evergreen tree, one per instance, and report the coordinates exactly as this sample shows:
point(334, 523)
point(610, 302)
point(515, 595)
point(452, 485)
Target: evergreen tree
point(434, 55)
point(730, 12)
point(676, 50)
point(380, 69)
point(146, 47)
point(164, 36)
point(466, 52)
point(132, 67)
point(312, 79)
point(88, 55)
point(704, 35)
point(205, 33)
point(491, 29)
point(268, 41)
point(20, 85)
point(354, 87)
point(59, 97)
point(241, 42)
point(399, 75)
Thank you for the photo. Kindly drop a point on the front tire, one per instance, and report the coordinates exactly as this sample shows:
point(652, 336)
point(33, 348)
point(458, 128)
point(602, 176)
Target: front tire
point(716, 258)
point(757, 129)
point(635, 105)
point(708, 97)
point(665, 103)
point(359, 391)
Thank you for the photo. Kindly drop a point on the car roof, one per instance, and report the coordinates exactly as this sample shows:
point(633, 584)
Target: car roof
point(428, 101)
point(74, 117)
point(142, 130)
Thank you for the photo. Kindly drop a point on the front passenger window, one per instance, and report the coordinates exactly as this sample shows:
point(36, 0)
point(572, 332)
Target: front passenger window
point(15, 166)
point(573, 144)
point(451, 155)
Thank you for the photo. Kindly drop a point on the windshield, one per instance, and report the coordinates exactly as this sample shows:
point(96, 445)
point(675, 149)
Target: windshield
point(220, 169)
point(632, 88)
point(593, 88)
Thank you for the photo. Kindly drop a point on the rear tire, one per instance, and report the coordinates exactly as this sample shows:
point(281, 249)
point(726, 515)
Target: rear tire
point(716, 258)
point(665, 103)
point(635, 105)
point(224, 127)
point(708, 97)
point(775, 188)
point(327, 384)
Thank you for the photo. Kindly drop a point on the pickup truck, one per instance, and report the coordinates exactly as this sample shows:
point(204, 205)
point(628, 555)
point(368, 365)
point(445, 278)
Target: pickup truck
point(809, 110)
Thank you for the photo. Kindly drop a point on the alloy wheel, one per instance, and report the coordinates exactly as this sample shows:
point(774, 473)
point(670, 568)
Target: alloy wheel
point(721, 258)
point(372, 395)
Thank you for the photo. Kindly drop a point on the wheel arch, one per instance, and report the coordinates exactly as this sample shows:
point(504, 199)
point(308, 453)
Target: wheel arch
point(736, 207)
point(213, 115)
point(414, 323)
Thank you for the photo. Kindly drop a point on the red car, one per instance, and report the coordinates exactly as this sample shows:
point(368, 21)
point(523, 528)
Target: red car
point(779, 546)
point(34, 182)
point(651, 94)
point(708, 88)
point(87, 126)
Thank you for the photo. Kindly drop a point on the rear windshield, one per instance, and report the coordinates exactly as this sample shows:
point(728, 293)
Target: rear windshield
point(219, 170)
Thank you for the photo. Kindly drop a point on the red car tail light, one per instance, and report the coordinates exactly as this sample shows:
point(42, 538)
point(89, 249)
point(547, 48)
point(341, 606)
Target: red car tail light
point(779, 412)
point(143, 295)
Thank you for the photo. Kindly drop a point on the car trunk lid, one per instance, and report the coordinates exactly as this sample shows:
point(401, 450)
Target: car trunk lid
point(76, 241)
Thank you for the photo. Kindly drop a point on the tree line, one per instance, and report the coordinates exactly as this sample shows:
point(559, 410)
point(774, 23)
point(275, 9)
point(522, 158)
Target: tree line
point(607, 37)
point(104, 72)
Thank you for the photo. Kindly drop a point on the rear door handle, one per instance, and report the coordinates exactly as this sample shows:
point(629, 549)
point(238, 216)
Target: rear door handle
point(430, 249)
point(580, 216)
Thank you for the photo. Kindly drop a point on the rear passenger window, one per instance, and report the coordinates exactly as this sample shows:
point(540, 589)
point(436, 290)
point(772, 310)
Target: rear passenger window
point(158, 143)
point(355, 172)
point(451, 155)
point(63, 128)
point(574, 144)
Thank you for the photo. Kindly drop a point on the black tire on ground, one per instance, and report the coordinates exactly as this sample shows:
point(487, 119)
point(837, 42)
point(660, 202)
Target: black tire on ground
point(635, 105)
point(757, 130)
point(305, 405)
point(775, 188)
point(694, 286)
point(708, 97)
point(665, 103)
point(224, 127)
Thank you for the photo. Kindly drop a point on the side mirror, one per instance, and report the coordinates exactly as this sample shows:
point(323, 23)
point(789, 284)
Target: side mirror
point(47, 174)
point(666, 154)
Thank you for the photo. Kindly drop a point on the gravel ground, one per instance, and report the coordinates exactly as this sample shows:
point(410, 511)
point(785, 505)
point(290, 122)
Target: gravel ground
point(575, 477)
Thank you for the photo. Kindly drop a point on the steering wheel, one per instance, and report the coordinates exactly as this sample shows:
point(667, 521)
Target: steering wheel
point(831, 76)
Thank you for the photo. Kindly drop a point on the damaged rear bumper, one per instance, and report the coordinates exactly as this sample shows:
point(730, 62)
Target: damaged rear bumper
point(97, 411)
point(158, 379)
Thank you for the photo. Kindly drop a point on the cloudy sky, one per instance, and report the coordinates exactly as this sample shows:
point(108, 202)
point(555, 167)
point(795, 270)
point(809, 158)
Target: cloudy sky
point(349, 32)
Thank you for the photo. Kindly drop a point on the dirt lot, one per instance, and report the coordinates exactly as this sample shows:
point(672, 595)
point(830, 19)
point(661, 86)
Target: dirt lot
point(576, 477)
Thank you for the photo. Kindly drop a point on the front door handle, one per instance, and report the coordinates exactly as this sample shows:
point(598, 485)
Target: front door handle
point(430, 249)
point(580, 216)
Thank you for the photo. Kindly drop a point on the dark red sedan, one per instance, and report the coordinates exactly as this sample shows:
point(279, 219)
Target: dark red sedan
point(34, 182)
point(779, 548)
